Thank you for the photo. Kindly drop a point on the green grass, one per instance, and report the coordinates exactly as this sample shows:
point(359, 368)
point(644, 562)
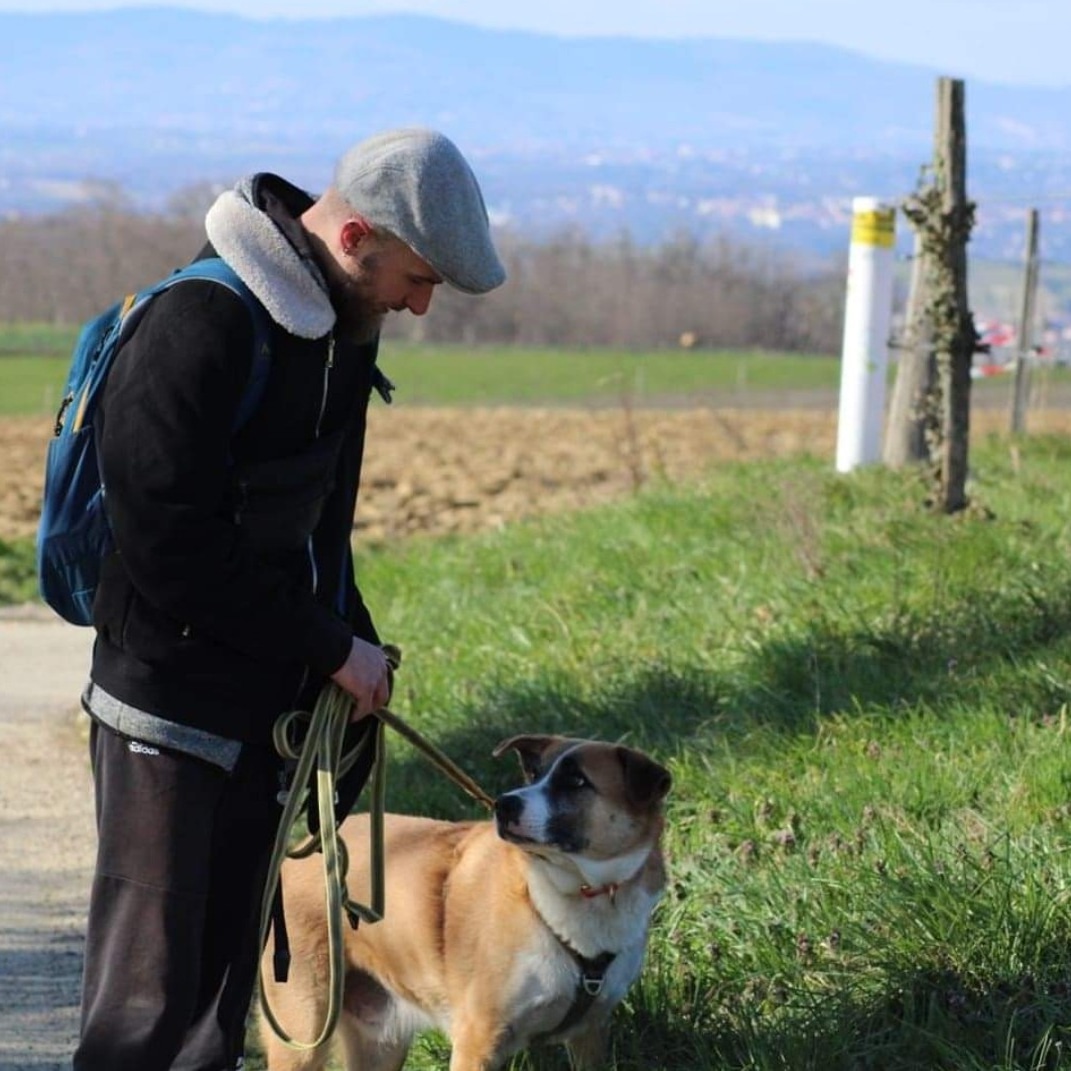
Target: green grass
point(452, 375)
point(18, 583)
point(36, 338)
point(33, 367)
point(31, 386)
point(442, 375)
point(34, 362)
point(865, 708)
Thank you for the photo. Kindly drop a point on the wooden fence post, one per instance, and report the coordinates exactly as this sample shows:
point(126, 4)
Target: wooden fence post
point(910, 426)
point(1025, 333)
point(954, 335)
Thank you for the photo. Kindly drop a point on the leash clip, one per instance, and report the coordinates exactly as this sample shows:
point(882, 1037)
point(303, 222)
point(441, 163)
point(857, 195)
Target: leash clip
point(592, 983)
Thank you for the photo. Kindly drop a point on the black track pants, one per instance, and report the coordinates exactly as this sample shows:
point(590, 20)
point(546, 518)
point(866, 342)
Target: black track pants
point(172, 941)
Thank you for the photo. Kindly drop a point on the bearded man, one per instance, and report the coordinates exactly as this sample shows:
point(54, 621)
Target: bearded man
point(230, 598)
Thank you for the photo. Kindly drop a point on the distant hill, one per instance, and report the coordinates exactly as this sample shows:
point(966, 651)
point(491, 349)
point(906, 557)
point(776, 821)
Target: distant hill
point(605, 132)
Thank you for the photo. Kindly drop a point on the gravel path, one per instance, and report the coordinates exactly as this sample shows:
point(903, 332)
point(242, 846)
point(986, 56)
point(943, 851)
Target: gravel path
point(47, 838)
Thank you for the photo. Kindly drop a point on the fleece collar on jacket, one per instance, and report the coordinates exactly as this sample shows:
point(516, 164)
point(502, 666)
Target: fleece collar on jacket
point(287, 284)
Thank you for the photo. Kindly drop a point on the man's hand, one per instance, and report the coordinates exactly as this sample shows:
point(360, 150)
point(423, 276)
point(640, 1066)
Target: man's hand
point(365, 676)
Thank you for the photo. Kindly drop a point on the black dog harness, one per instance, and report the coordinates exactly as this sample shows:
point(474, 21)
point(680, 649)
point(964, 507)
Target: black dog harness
point(589, 985)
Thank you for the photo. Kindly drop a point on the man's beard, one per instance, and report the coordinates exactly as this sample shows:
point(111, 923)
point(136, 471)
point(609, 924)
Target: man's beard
point(360, 317)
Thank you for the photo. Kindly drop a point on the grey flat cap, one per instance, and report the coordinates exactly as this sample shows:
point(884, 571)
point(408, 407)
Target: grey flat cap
point(416, 184)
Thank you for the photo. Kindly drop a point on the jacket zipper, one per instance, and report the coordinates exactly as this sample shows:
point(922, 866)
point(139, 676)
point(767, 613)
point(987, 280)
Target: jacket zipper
point(329, 363)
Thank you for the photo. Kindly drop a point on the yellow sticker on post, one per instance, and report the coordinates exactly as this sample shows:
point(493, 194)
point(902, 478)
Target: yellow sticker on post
point(875, 227)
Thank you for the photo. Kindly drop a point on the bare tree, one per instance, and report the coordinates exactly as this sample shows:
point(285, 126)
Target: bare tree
point(563, 291)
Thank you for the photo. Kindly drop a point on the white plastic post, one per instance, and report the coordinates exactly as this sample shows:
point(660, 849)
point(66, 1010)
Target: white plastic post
point(867, 319)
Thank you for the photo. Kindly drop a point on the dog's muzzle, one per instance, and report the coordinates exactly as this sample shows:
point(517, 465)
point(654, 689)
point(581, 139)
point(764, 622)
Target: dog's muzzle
point(508, 811)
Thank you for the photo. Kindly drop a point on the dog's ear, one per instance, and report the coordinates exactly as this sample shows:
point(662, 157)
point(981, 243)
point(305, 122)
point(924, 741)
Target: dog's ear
point(646, 782)
point(535, 753)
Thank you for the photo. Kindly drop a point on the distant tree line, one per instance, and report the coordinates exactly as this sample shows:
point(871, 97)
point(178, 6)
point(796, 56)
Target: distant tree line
point(567, 290)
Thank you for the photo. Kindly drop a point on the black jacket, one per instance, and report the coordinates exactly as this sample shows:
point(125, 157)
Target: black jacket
point(201, 620)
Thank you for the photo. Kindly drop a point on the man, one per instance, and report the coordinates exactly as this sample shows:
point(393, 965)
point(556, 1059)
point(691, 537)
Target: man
point(231, 597)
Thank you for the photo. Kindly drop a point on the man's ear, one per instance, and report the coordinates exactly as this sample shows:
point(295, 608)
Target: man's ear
point(354, 232)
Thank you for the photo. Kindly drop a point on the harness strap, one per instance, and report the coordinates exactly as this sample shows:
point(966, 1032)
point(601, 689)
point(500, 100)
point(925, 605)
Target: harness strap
point(281, 956)
point(589, 985)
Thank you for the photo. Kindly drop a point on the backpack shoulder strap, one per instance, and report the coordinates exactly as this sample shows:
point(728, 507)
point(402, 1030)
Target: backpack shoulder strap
point(217, 270)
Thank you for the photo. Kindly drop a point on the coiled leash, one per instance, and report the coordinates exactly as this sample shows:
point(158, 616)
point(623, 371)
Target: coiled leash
point(320, 758)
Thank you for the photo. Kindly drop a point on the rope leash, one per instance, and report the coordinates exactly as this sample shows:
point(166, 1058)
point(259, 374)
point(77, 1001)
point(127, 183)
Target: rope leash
point(322, 748)
point(436, 757)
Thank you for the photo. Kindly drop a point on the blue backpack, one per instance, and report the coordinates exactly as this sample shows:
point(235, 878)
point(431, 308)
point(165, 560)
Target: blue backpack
point(74, 535)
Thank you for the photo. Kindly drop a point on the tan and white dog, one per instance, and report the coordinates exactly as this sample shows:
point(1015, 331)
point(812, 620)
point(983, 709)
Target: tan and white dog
point(501, 934)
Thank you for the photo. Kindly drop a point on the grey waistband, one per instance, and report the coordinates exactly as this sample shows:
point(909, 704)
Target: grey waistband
point(150, 729)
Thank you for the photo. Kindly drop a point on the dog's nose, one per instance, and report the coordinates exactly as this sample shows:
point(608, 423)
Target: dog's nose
point(508, 808)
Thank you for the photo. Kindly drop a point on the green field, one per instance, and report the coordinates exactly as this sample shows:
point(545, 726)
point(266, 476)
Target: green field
point(440, 375)
point(34, 361)
point(36, 339)
point(452, 376)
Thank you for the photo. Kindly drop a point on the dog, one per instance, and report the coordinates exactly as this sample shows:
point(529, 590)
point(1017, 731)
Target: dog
point(502, 934)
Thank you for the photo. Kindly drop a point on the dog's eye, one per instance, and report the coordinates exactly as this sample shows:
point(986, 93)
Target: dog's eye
point(569, 777)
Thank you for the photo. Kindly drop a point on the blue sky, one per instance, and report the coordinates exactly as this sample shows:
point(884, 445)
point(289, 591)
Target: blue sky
point(1023, 42)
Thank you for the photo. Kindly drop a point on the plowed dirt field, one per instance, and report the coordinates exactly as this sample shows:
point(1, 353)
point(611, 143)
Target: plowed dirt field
point(450, 470)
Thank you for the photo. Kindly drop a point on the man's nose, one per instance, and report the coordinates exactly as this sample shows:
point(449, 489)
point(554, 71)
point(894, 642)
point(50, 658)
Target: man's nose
point(419, 301)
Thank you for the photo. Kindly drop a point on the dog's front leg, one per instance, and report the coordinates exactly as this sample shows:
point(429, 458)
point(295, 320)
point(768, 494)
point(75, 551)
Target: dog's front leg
point(477, 1046)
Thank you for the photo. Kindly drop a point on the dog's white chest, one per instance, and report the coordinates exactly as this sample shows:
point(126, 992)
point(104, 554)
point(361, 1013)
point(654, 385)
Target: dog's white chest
point(547, 983)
